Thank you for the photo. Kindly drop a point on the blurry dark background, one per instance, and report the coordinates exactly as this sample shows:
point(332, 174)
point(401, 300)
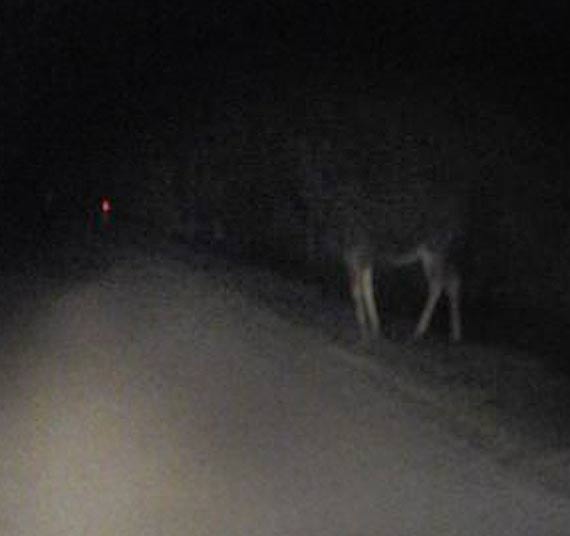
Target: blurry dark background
point(236, 124)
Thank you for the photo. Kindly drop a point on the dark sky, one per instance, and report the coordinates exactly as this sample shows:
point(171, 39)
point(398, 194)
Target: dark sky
point(82, 80)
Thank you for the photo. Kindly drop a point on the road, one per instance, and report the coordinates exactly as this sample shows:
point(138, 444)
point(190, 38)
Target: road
point(157, 400)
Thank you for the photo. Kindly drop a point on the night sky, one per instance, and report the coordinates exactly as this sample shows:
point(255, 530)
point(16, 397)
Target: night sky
point(94, 91)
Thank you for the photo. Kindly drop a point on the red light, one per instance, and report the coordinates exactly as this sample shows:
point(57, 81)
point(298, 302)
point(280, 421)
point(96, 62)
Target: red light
point(106, 205)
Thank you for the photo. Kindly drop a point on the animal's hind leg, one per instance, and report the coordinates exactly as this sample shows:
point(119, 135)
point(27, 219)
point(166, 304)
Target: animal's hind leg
point(435, 289)
point(453, 291)
point(434, 270)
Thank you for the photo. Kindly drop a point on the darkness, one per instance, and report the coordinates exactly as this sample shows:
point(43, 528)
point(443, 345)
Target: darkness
point(219, 115)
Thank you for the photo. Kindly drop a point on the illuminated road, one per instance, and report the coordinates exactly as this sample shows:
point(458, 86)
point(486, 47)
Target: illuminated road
point(155, 401)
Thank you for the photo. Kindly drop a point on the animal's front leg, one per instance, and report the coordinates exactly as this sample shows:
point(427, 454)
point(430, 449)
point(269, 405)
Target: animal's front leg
point(356, 293)
point(367, 282)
